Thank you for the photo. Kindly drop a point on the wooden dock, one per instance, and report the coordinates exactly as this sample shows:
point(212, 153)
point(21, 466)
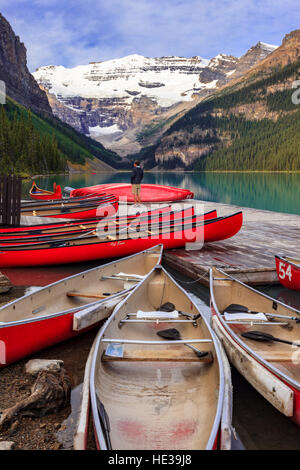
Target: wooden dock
point(249, 255)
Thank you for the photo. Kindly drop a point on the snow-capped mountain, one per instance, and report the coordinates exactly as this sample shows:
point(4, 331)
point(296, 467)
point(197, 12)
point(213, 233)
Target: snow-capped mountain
point(120, 102)
point(163, 79)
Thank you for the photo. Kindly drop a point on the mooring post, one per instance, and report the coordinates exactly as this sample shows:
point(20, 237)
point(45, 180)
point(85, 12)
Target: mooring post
point(10, 199)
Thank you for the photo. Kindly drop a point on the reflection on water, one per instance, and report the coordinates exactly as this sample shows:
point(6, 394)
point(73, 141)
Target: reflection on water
point(287, 296)
point(66, 433)
point(271, 191)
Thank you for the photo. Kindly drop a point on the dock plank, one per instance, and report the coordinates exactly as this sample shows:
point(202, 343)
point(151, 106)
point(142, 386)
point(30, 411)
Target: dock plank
point(249, 255)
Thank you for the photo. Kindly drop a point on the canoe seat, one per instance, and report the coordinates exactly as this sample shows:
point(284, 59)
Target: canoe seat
point(166, 355)
point(156, 314)
point(240, 316)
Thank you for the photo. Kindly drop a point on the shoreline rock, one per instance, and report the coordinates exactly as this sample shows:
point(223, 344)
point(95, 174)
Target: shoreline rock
point(34, 366)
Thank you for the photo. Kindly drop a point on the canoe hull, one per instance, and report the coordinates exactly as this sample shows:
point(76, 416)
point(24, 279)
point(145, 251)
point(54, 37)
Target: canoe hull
point(288, 273)
point(100, 211)
point(210, 231)
point(25, 339)
point(58, 224)
point(149, 192)
point(43, 195)
point(62, 234)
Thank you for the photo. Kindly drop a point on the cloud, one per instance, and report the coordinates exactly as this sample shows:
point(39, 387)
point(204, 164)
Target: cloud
point(73, 32)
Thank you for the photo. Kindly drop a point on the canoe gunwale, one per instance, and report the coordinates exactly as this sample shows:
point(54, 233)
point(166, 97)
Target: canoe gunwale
point(61, 313)
point(65, 202)
point(52, 225)
point(90, 205)
point(175, 228)
point(268, 365)
point(288, 261)
point(78, 308)
point(93, 397)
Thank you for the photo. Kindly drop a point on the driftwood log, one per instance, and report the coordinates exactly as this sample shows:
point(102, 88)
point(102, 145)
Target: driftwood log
point(5, 284)
point(50, 393)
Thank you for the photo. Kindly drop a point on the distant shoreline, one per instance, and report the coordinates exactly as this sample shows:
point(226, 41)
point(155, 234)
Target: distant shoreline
point(169, 171)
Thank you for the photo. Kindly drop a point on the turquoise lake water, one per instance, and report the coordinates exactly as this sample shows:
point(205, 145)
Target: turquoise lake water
point(270, 191)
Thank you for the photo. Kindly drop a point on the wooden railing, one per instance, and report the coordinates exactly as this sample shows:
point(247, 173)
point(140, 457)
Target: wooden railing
point(10, 199)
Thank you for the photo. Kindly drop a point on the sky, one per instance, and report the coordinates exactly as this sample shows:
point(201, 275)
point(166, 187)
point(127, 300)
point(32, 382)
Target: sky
point(71, 33)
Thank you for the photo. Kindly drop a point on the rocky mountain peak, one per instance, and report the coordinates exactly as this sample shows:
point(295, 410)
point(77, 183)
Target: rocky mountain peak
point(20, 84)
point(253, 56)
point(292, 36)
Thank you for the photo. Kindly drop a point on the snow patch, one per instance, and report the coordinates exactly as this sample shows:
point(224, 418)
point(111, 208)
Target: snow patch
point(269, 47)
point(98, 131)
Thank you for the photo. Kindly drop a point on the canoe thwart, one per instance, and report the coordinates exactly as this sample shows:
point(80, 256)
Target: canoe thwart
point(158, 343)
point(156, 320)
point(159, 356)
point(87, 294)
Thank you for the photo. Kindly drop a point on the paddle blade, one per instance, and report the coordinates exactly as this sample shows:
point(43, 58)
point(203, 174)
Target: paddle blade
point(167, 307)
point(236, 308)
point(258, 336)
point(170, 333)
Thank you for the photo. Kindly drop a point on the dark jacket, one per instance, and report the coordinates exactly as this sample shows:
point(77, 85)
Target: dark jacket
point(137, 175)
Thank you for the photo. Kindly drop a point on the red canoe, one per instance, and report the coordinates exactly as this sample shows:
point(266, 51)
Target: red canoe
point(149, 192)
point(87, 210)
point(42, 194)
point(288, 272)
point(100, 227)
point(39, 228)
point(55, 313)
point(118, 218)
point(93, 248)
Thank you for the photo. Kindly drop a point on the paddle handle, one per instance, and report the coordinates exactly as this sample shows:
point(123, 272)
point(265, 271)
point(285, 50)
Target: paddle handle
point(286, 342)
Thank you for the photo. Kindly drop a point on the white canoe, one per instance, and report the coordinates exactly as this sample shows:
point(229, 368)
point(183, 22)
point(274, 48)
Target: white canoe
point(269, 365)
point(148, 392)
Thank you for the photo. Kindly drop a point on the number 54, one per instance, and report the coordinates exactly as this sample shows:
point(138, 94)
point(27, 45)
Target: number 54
point(283, 272)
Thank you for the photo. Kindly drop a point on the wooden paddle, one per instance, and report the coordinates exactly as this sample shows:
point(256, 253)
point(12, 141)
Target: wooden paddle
point(237, 308)
point(172, 333)
point(260, 336)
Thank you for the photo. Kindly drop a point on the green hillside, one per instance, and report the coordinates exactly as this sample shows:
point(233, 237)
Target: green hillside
point(31, 144)
point(268, 140)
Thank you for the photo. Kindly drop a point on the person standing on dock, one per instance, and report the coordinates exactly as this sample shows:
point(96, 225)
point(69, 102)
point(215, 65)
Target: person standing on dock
point(136, 179)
